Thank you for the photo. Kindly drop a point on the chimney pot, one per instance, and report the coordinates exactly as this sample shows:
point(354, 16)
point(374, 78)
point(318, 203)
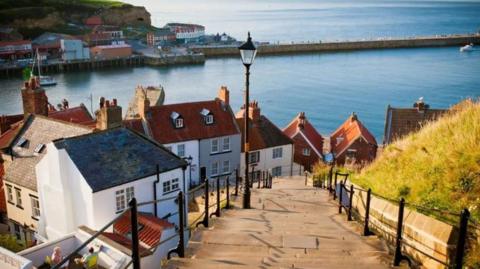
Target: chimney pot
point(224, 95)
point(114, 102)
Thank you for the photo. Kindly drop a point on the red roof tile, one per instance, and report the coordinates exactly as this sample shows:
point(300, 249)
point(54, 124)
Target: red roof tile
point(3, 202)
point(151, 231)
point(164, 131)
point(8, 120)
point(350, 130)
point(308, 131)
point(127, 243)
point(134, 124)
point(77, 114)
point(7, 137)
point(16, 42)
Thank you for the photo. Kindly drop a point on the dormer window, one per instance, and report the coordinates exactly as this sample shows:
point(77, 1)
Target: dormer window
point(39, 148)
point(22, 142)
point(177, 120)
point(207, 116)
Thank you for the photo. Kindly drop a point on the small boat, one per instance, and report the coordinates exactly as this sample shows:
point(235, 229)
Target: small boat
point(44, 80)
point(468, 47)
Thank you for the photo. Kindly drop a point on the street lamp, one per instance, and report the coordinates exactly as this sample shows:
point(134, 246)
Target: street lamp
point(247, 52)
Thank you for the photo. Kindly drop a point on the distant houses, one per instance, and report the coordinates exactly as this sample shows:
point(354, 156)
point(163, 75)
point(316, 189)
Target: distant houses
point(400, 122)
point(176, 33)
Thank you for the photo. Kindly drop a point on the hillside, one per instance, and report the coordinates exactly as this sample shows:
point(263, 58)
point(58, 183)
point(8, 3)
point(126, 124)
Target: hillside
point(33, 17)
point(438, 167)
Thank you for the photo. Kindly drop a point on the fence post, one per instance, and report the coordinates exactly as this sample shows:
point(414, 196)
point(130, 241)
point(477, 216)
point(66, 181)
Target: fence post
point(335, 188)
point(366, 230)
point(236, 182)
point(351, 203)
point(340, 197)
point(217, 212)
point(306, 178)
point(135, 240)
point(462, 236)
point(180, 249)
point(228, 192)
point(270, 183)
point(207, 198)
point(259, 179)
point(398, 248)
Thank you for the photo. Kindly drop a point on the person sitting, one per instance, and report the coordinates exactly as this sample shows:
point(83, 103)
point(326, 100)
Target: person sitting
point(56, 255)
point(89, 260)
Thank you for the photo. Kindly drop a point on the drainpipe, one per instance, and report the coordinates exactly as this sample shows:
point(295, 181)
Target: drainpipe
point(185, 196)
point(155, 191)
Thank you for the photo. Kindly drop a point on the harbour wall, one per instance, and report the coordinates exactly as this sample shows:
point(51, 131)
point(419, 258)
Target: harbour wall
point(175, 60)
point(295, 48)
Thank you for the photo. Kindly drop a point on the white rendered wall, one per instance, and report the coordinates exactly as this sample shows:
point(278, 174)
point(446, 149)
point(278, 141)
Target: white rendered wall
point(267, 162)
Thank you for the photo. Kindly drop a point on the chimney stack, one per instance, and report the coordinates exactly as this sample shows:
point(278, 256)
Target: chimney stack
point(34, 99)
point(254, 111)
point(109, 115)
point(143, 104)
point(301, 118)
point(420, 105)
point(224, 95)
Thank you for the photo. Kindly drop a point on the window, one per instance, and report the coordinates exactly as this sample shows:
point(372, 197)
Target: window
point(130, 191)
point(35, 207)
point(22, 142)
point(181, 150)
point(9, 194)
point(254, 157)
point(226, 167)
point(306, 152)
point(166, 187)
point(179, 123)
point(277, 153)
point(18, 234)
point(175, 184)
point(214, 148)
point(226, 144)
point(39, 148)
point(277, 171)
point(209, 119)
point(120, 200)
point(18, 194)
point(214, 169)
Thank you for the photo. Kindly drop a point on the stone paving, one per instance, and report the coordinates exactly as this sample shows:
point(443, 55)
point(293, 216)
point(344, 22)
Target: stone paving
point(289, 226)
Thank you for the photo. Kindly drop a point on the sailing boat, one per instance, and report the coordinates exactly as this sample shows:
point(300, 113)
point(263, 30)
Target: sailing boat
point(44, 80)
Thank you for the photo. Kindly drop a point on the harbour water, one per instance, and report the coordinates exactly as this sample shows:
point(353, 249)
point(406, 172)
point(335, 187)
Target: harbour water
point(327, 86)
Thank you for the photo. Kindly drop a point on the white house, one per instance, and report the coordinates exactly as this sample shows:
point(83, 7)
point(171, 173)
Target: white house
point(94, 177)
point(74, 50)
point(270, 149)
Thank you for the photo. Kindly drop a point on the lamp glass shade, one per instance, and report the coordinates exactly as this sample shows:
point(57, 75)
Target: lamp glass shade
point(248, 51)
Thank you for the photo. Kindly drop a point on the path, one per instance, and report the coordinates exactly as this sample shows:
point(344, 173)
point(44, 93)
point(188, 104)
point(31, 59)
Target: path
point(291, 226)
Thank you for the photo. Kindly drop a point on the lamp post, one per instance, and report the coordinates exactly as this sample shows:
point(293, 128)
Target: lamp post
point(247, 52)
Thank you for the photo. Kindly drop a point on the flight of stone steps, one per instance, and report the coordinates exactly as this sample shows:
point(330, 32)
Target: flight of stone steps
point(290, 226)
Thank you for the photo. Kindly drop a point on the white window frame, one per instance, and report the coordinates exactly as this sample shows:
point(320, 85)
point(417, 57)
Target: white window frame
point(120, 202)
point(179, 123)
point(175, 184)
point(35, 207)
point(18, 196)
point(179, 146)
point(209, 119)
point(167, 187)
point(18, 231)
point(277, 153)
point(9, 193)
point(257, 157)
point(306, 151)
point(129, 193)
point(226, 144)
point(214, 172)
point(277, 171)
point(212, 145)
point(226, 167)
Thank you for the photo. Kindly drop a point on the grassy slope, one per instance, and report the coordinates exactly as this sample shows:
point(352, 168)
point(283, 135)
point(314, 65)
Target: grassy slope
point(437, 167)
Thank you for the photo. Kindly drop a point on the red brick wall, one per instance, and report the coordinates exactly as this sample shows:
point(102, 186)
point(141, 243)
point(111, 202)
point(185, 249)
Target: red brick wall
point(35, 101)
point(365, 152)
point(298, 157)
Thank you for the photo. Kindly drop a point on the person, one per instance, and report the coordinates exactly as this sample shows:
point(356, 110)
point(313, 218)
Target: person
point(89, 256)
point(56, 255)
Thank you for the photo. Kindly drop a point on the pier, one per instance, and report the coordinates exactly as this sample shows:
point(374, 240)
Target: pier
point(307, 47)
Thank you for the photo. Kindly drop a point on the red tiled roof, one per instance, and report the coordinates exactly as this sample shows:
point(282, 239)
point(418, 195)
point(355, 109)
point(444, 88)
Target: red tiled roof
point(350, 130)
point(17, 42)
point(127, 243)
point(7, 137)
point(77, 114)
point(152, 229)
point(134, 124)
point(94, 20)
point(164, 131)
point(263, 134)
point(6, 121)
point(308, 131)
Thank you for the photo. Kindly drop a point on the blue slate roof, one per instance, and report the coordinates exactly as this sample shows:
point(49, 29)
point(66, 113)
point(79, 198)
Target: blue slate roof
point(117, 156)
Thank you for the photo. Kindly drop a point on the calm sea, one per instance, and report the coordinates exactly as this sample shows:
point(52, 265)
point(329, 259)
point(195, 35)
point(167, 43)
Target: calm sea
point(327, 86)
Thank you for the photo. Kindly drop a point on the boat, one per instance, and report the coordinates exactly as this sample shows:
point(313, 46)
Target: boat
point(468, 47)
point(44, 80)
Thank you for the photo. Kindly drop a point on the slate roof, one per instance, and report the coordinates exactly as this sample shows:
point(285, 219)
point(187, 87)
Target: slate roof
point(77, 114)
point(117, 156)
point(308, 131)
point(164, 131)
point(399, 122)
point(37, 130)
point(152, 229)
point(50, 40)
point(350, 130)
point(263, 134)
